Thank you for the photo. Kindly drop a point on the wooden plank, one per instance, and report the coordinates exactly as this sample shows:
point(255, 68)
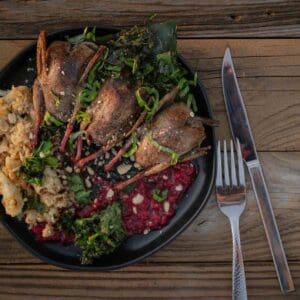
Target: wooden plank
point(208, 239)
point(269, 75)
point(144, 281)
point(209, 18)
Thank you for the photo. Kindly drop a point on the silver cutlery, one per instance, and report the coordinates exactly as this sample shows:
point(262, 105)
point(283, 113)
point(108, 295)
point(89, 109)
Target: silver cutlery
point(241, 130)
point(231, 192)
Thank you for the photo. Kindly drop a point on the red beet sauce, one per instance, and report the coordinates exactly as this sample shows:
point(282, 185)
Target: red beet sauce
point(145, 213)
point(150, 214)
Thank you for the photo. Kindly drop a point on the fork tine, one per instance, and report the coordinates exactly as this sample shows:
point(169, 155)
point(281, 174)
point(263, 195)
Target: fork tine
point(226, 171)
point(219, 180)
point(232, 161)
point(240, 164)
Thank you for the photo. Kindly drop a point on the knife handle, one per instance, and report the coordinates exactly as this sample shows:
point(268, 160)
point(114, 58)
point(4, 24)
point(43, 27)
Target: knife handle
point(271, 229)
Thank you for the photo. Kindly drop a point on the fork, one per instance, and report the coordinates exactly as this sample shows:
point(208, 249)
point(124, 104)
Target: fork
point(231, 200)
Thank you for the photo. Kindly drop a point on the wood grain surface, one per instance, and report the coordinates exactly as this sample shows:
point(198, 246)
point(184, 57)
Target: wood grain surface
point(197, 265)
point(205, 18)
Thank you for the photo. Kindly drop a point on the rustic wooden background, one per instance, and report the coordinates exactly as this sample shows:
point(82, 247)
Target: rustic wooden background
point(197, 265)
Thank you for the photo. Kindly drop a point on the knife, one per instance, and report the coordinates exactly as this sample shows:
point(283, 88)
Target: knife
point(240, 129)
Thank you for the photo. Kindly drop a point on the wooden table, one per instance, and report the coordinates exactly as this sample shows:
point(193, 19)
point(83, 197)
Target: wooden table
point(197, 265)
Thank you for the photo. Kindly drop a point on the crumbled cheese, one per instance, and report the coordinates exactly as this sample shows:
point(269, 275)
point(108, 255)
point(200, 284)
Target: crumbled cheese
point(62, 72)
point(110, 193)
point(62, 93)
point(137, 199)
point(165, 177)
point(179, 188)
point(132, 158)
point(123, 169)
point(90, 171)
point(30, 135)
point(166, 206)
point(134, 209)
point(88, 183)
point(69, 169)
point(192, 114)
point(107, 155)
point(146, 231)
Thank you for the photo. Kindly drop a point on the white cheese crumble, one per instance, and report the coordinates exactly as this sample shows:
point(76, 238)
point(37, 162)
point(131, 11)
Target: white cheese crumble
point(123, 169)
point(137, 199)
point(90, 171)
point(88, 183)
point(110, 193)
point(179, 188)
point(166, 206)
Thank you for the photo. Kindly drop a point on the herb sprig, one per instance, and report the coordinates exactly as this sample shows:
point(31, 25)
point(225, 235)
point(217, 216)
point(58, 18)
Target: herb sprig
point(174, 155)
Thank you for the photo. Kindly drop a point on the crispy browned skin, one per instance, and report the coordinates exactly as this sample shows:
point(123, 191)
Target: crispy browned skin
point(112, 113)
point(59, 79)
point(173, 128)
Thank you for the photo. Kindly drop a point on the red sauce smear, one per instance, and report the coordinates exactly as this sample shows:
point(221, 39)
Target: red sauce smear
point(141, 217)
point(58, 236)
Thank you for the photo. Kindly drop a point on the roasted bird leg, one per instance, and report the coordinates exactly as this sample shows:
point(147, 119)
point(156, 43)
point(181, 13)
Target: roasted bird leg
point(37, 93)
point(160, 167)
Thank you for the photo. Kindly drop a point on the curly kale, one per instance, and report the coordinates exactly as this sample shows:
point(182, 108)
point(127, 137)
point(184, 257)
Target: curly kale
point(98, 234)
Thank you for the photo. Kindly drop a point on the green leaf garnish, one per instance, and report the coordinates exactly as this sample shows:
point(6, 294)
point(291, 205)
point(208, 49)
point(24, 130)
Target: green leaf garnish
point(159, 195)
point(50, 120)
point(82, 195)
point(134, 146)
point(85, 36)
point(34, 202)
point(33, 168)
point(173, 155)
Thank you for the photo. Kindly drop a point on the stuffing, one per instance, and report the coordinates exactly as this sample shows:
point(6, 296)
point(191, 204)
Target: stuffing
point(16, 126)
point(11, 196)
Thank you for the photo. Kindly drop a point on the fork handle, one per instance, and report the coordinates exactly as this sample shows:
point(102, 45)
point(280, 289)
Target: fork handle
point(239, 291)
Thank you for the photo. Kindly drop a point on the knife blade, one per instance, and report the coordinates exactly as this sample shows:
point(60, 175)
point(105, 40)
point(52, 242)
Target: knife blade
point(241, 130)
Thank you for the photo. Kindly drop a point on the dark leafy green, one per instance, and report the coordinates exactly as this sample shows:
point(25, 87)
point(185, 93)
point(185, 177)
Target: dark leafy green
point(99, 234)
point(34, 166)
point(82, 195)
point(66, 222)
point(87, 35)
point(34, 202)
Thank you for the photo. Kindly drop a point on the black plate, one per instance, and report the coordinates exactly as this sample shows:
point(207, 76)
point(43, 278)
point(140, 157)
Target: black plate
point(21, 71)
